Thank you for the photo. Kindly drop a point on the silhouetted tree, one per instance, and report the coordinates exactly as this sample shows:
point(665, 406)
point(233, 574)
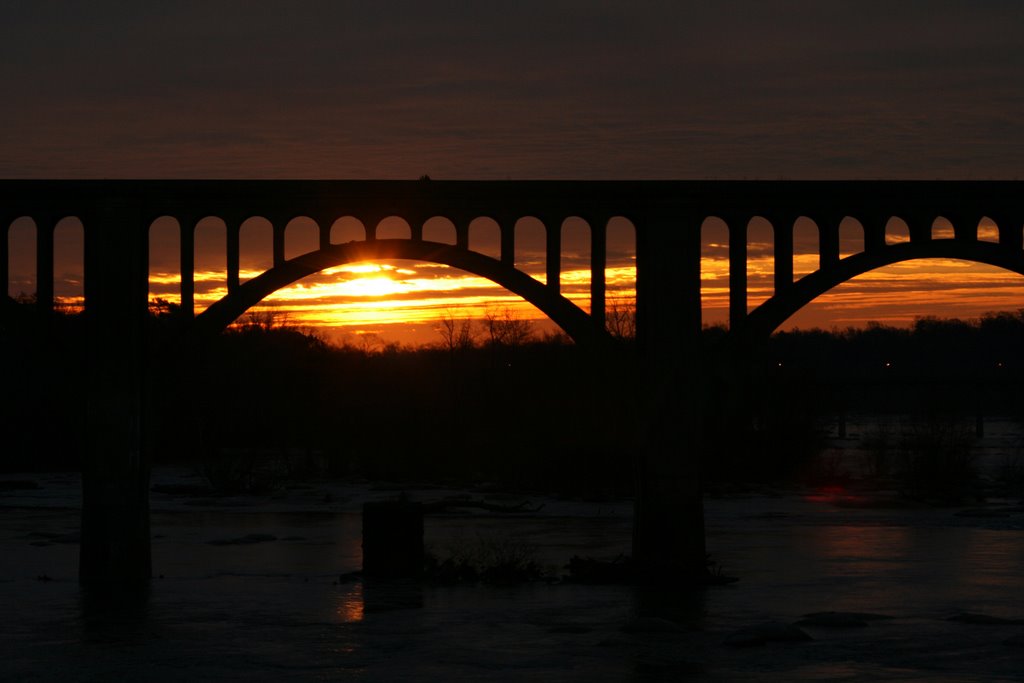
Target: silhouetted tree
point(505, 328)
point(457, 334)
point(620, 320)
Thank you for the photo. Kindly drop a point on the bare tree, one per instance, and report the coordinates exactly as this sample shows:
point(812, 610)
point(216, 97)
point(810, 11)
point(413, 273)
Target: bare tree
point(370, 342)
point(620, 319)
point(456, 333)
point(505, 328)
point(263, 319)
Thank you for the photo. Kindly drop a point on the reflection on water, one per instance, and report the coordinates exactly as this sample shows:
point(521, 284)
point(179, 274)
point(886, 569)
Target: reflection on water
point(276, 609)
point(351, 606)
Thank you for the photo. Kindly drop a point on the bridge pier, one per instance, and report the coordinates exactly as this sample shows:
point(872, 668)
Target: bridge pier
point(115, 539)
point(668, 528)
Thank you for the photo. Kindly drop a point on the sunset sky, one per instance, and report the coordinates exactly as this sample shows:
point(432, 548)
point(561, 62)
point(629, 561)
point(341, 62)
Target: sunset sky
point(572, 89)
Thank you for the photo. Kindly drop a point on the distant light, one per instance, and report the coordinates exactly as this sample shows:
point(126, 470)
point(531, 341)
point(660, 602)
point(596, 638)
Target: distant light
point(780, 364)
point(888, 364)
point(999, 364)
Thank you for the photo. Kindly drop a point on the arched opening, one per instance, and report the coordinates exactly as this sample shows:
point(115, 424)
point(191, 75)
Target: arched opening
point(210, 273)
point(900, 293)
point(574, 266)
point(347, 229)
point(255, 247)
point(806, 256)
point(851, 237)
point(301, 236)
point(988, 231)
point(531, 248)
point(485, 237)
point(942, 229)
point(439, 229)
point(394, 228)
point(620, 277)
point(373, 262)
point(760, 261)
point(371, 303)
point(69, 265)
point(21, 260)
point(714, 271)
point(896, 231)
point(165, 261)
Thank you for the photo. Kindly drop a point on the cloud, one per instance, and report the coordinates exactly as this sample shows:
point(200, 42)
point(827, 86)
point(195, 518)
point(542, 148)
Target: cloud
point(563, 89)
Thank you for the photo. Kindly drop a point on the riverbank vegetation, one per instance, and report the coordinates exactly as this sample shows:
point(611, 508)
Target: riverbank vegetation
point(495, 403)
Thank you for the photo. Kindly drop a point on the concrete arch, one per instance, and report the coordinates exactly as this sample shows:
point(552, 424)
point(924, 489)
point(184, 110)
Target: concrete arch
point(574, 321)
point(765, 319)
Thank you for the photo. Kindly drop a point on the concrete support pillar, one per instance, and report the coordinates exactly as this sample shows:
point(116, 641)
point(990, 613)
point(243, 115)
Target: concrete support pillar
point(737, 273)
point(874, 233)
point(668, 533)
point(782, 229)
point(393, 539)
point(553, 229)
point(188, 265)
point(324, 229)
point(115, 546)
point(5, 258)
point(965, 226)
point(598, 259)
point(44, 263)
point(278, 248)
point(233, 228)
point(1011, 235)
point(462, 233)
point(920, 227)
point(508, 242)
point(828, 242)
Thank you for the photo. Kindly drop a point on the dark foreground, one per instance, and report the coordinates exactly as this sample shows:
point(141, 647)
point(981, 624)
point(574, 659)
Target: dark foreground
point(250, 590)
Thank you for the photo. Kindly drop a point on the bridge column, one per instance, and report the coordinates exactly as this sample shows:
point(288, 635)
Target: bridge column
point(874, 232)
point(507, 229)
point(668, 532)
point(553, 261)
point(828, 242)
point(233, 228)
point(115, 546)
point(45, 226)
point(1010, 231)
point(462, 232)
point(965, 228)
point(738, 272)
point(187, 245)
point(278, 227)
point(5, 257)
point(598, 259)
point(323, 226)
point(920, 227)
point(782, 229)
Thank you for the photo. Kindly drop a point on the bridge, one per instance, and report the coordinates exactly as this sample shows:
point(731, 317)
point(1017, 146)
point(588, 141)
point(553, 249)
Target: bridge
point(667, 217)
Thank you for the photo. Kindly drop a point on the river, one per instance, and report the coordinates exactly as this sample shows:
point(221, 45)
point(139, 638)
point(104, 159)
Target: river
point(250, 589)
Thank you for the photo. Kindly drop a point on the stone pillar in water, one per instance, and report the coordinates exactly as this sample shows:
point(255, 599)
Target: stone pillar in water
point(392, 539)
point(115, 546)
point(668, 532)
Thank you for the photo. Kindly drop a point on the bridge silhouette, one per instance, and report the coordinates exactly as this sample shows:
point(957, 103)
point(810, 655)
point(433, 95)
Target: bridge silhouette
point(667, 216)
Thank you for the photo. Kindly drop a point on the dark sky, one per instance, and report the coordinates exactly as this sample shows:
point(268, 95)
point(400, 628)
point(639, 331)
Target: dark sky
point(570, 89)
